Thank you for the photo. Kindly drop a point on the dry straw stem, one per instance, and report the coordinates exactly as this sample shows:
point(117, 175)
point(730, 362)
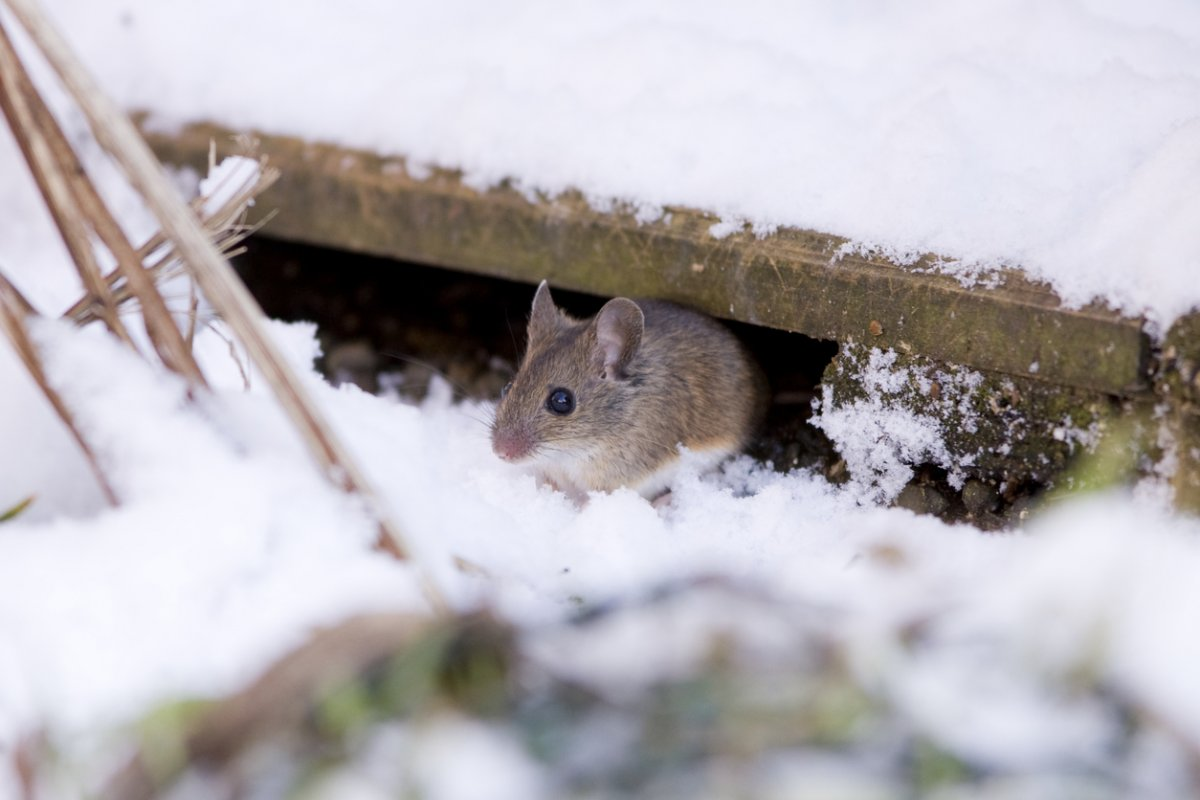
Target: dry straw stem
point(15, 310)
point(211, 272)
point(224, 226)
point(74, 200)
point(23, 108)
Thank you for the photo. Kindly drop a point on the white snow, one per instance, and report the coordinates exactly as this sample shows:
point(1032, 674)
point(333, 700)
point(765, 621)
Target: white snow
point(226, 180)
point(1047, 134)
point(1061, 136)
point(881, 436)
point(229, 548)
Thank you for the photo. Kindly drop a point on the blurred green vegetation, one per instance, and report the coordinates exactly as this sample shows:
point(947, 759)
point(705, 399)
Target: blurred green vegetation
point(16, 510)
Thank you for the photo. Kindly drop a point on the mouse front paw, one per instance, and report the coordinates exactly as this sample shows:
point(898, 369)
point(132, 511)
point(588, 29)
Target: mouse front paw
point(575, 494)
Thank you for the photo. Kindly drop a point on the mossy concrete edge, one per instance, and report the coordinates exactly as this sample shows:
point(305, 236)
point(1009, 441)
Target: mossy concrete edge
point(793, 280)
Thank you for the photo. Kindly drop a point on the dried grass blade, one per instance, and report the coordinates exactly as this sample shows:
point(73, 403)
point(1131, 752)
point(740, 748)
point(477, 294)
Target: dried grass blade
point(21, 105)
point(89, 206)
point(224, 226)
point(13, 512)
point(14, 311)
point(225, 292)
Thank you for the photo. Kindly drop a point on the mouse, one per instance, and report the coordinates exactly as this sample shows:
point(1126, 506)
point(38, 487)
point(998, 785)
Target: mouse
point(602, 403)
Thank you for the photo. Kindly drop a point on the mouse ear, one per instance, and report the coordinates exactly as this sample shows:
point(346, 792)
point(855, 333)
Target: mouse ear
point(545, 318)
point(618, 328)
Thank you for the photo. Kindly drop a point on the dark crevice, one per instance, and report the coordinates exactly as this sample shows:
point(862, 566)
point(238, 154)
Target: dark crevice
point(391, 326)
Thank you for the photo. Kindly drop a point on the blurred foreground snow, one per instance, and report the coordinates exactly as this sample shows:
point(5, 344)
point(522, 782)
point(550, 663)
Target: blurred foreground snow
point(1007, 650)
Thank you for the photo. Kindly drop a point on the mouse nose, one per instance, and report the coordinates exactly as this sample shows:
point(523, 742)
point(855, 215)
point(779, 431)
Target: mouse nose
point(510, 444)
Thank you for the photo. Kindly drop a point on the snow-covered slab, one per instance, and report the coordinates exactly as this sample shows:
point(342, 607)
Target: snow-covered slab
point(813, 283)
point(1058, 136)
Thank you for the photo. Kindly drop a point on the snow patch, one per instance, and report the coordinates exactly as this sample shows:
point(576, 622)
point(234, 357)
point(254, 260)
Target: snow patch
point(232, 176)
point(881, 437)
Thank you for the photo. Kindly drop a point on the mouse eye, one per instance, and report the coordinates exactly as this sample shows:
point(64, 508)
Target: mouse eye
point(560, 401)
point(505, 390)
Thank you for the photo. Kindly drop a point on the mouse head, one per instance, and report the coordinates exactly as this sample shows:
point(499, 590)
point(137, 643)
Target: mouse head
point(573, 383)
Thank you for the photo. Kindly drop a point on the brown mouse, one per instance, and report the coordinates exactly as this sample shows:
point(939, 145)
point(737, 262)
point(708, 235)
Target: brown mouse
point(606, 402)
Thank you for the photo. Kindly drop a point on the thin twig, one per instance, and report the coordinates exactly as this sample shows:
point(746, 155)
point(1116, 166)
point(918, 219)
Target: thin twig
point(193, 315)
point(234, 356)
point(15, 310)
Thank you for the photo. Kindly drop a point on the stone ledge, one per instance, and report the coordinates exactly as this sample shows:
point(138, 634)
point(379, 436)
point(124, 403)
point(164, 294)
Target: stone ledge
point(790, 280)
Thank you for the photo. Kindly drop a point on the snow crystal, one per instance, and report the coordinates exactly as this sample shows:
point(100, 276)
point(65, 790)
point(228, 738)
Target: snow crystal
point(724, 228)
point(880, 442)
point(233, 175)
point(881, 436)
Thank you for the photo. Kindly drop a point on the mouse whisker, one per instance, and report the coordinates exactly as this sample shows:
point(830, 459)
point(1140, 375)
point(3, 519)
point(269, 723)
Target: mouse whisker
point(460, 390)
point(487, 418)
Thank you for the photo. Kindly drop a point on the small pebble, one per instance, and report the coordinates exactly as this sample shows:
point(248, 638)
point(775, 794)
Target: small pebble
point(922, 500)
point(978, 497)
point(354, 362)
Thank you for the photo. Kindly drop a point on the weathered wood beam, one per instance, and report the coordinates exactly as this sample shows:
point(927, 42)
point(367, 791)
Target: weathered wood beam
point(790, 280)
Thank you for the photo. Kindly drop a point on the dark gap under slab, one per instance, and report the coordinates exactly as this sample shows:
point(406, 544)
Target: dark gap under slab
point(392, 327)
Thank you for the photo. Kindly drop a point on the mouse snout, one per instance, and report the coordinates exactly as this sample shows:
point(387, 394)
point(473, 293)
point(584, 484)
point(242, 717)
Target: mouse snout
point(512, 444)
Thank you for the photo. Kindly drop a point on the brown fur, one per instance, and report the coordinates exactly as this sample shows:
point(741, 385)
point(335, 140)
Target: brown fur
point(646, 376)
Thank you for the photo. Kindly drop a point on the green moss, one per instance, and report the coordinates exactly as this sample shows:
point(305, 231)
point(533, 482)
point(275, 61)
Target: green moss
point(344, 709)
point(16, 510)
point(163, 734)
point(1178, 384)
point(933, 767)
point(999, 428)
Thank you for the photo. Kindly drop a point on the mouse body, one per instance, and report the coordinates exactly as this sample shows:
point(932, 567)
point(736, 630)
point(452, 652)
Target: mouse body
point(607, 402)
